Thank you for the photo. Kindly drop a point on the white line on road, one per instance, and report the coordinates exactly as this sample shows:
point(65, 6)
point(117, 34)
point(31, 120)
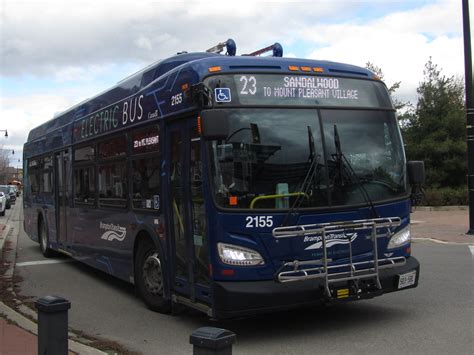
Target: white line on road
point(472, 250)
point(43, 262)
point(439, 241)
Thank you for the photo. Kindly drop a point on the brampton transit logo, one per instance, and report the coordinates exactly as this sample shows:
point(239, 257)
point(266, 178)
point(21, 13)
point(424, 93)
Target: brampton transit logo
point(113, 232)
point(331, 240)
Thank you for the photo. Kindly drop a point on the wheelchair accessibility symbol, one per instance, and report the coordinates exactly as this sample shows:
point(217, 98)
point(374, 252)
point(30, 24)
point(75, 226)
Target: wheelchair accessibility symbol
point(222, 94)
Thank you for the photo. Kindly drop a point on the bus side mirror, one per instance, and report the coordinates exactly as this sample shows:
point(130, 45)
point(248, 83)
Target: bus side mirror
point(416, 178)
point(416, 172)
point(214, 124)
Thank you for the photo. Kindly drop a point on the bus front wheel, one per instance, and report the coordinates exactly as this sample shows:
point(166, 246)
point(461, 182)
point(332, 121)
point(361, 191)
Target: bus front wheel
point(149, 277)
point(43, 239)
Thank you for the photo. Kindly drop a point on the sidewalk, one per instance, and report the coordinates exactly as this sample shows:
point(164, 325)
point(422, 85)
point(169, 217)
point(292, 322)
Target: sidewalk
point(442, 225)
point(15, 341)
point(18, 334)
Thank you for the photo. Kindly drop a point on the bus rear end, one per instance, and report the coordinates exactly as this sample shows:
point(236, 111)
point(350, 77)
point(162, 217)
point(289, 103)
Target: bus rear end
point(310, 200)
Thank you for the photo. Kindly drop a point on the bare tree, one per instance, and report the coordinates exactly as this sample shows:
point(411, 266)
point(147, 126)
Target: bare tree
point(4, 165)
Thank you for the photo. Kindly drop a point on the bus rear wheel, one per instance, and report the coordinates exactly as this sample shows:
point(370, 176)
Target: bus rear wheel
point(149, 277)
point(43, 239)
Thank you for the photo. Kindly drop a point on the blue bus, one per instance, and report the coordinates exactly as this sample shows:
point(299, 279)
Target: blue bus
point(234, 185)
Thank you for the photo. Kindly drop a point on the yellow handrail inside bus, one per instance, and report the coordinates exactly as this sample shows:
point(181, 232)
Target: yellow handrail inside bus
point(178, 216)
point(268, 197)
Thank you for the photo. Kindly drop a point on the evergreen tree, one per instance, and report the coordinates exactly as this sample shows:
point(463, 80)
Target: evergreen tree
point(435, 132)
point(400, 106)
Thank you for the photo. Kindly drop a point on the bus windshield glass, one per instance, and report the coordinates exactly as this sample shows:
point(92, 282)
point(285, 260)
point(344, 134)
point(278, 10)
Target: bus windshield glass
point(279, 158)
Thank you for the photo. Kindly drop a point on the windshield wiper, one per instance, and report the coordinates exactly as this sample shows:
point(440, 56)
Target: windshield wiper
point(341, 163)
point(313, 159)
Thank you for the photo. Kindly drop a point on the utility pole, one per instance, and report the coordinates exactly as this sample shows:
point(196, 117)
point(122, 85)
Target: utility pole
point(469, 109)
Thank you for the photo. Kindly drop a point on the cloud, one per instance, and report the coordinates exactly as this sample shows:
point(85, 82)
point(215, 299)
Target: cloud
point(76, 49)
point(400, 43)
point(20, 114)
point(40, 37)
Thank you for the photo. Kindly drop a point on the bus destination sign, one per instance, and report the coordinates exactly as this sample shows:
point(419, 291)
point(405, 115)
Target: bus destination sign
point(279, 90)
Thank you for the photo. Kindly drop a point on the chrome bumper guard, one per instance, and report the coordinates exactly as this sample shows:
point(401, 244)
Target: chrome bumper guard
point(349, 271)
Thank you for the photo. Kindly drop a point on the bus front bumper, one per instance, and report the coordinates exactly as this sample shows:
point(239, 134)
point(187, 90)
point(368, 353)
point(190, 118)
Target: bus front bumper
point(246, 298)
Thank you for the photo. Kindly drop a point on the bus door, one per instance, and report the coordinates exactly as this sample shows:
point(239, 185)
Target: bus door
point(61, 161)
point(186, 212)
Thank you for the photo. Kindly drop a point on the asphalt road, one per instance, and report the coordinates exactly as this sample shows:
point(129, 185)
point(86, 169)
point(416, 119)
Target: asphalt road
point(435, 318)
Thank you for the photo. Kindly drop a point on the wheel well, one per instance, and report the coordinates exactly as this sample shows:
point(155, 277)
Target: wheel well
point(141, 236)
point(40, 220)
point(144, 235)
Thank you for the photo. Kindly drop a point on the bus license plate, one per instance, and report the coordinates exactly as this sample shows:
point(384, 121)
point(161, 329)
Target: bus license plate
point(407, 279)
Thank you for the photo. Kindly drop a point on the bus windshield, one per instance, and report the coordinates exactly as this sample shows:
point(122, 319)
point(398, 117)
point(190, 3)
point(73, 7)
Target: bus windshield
point(276, 158)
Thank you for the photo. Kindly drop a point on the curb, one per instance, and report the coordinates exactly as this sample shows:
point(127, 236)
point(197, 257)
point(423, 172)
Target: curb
point(32, 327)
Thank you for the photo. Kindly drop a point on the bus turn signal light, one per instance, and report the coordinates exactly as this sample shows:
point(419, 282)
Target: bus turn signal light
point(199, 126)
point(214, 69)
point(318, 70)
point(293, 68)
point(305, 68)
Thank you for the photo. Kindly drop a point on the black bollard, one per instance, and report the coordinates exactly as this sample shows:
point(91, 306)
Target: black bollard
point(52, 325)
point(212, 341)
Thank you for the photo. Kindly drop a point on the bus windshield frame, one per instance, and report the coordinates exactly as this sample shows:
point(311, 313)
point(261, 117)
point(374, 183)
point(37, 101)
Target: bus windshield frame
point(279, 156)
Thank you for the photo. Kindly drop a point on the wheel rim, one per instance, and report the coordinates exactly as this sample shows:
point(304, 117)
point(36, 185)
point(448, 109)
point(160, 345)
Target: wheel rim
point(152, 274)
point(44, 242)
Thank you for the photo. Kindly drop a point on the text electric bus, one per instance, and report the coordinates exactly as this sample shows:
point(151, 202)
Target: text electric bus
point(231, 184)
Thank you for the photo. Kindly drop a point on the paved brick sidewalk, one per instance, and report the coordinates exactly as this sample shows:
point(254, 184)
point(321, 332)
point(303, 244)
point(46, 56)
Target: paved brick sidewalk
point(13, 339)
point(16, 341)
point(449, 226)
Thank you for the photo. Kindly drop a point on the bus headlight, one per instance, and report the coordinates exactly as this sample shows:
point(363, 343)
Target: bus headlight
point(239, 256)
point(401, 238)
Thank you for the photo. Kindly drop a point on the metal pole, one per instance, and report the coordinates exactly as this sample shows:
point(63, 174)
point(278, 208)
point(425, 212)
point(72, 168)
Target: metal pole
point(52, 325)
point(469, 111)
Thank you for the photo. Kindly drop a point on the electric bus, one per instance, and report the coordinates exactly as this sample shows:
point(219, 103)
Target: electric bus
point(234, 185)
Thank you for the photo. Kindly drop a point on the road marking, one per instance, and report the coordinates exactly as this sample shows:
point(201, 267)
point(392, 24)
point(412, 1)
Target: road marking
point(44, 262)
point(440, 241)
point(472, 250)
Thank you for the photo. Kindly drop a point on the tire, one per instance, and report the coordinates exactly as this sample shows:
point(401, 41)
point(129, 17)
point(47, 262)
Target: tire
point(2, 213)
point(43, 241)
point(149, 277)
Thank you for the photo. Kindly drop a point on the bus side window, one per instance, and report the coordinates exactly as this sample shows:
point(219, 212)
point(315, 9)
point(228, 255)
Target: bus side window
point(33, 176)
point(112, 186)
point(84, 175)
point(146, 183)
point(84, 185)
point(146, 170)
point(198, 210)
point(112, 172)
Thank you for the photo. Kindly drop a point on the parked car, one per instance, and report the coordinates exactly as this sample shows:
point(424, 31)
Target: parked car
point(3, 203)
point(13, 191)
point(6, 192)
point(9, 190)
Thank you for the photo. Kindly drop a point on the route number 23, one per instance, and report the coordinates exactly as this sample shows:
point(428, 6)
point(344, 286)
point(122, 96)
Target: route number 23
point(259, 221)
point(250, 85)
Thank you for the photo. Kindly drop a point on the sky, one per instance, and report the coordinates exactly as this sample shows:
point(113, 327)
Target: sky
point(56, 53)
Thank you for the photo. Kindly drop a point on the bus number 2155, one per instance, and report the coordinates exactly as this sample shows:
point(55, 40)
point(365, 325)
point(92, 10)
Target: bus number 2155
point(259, 221)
